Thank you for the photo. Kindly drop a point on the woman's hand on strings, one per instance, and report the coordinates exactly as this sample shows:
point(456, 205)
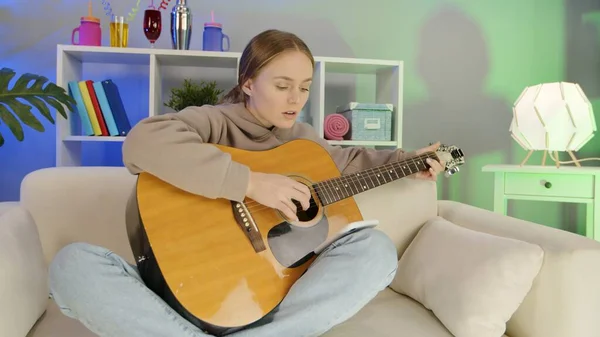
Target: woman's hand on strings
point(277, 191)
point(435, 167)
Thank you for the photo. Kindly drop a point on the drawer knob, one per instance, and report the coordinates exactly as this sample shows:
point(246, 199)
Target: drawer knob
point(547, 184)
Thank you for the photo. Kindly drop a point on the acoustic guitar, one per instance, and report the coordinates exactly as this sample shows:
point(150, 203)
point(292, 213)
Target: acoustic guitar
point(228, 264)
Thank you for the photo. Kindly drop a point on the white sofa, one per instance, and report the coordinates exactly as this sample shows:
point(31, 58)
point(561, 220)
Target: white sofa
point(62, 205)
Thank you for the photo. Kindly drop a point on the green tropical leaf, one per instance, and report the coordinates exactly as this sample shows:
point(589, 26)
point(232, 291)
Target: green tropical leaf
point(40, 95)
point(56, 105)
point(24, 113)
point(12, 122)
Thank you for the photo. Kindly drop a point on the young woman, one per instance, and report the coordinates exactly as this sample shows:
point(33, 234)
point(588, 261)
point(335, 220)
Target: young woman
point(115, 299)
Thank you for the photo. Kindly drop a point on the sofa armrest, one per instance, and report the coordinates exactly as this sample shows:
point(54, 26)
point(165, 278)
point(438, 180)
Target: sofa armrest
point(565, 297)
point(23, 272)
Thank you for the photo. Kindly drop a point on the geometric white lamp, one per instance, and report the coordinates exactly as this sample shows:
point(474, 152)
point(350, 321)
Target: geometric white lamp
point(553, 117)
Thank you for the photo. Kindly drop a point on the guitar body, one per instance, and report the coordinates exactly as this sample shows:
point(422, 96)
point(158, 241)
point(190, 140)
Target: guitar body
point(229, 264)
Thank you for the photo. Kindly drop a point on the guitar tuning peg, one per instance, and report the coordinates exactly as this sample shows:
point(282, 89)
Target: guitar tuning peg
point(451, 171)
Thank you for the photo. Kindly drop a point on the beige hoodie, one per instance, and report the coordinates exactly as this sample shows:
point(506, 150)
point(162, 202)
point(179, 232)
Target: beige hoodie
point(172, 147)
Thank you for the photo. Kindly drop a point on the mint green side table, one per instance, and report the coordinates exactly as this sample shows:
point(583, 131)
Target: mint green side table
point(550, 183)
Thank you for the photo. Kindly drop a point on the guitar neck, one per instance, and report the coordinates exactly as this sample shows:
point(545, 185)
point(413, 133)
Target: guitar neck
point(336, 189)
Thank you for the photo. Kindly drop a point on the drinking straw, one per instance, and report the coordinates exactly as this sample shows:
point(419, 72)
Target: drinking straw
point(164, 4)
point(107, 8)
point(134, 11)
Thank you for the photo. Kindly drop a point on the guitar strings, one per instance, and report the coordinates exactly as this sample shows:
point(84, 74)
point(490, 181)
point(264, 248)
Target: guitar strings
point(256, 207)
point(350, 178)
point(371, 173)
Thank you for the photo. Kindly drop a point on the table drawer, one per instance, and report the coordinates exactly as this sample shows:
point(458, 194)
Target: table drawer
point(548, 184)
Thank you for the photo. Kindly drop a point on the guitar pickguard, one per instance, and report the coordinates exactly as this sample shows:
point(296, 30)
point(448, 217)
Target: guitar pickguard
point(293, 245)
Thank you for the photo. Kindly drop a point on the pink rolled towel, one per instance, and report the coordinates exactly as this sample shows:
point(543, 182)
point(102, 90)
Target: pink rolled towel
point(336, 126)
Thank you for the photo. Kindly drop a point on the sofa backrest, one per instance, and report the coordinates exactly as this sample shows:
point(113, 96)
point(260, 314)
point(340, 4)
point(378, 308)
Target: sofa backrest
point(87, 204)
point(402, 207)
point(79, 204)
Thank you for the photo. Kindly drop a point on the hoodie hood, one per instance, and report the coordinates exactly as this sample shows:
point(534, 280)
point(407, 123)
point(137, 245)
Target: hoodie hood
point(250, 125)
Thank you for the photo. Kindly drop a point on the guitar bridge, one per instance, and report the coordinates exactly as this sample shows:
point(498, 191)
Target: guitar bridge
point(248, 226)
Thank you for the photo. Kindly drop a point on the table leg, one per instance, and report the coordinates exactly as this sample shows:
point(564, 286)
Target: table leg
point(499, 199)
point(593, 220)
point(590, 219)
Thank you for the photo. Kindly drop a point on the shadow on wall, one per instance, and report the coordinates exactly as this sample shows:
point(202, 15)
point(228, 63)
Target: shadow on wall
point(583, 66)
point(583, 57)
point(453, 62)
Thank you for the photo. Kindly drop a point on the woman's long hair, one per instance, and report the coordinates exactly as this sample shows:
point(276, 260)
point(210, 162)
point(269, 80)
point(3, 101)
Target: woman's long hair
point(263, 48)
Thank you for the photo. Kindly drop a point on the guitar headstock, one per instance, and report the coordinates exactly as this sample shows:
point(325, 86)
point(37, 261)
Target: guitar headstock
point(452, 156)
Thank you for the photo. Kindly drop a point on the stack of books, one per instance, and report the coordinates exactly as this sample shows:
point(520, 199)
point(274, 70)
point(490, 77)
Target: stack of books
point(100, 108)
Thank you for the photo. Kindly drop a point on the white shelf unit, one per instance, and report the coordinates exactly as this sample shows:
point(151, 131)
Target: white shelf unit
point(72, 59)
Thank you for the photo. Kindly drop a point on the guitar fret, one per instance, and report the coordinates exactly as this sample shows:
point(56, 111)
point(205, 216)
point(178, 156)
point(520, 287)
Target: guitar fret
point(419, 164)
point(348, 187)
point(380, 174)
point(336, 189)
point(376, 175)
point(402, 167)
point(383, 172)
point(318, 188)
point(371, 178)
point(362, 182)
point(326, 194)
point(398, 170)
point(393, 170)
point(331, 191)
point(416, 166)
point(345, 186)
point(353, 181)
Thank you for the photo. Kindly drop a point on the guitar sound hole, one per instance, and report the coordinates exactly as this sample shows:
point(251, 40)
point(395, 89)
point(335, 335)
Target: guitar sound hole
point(309, 214)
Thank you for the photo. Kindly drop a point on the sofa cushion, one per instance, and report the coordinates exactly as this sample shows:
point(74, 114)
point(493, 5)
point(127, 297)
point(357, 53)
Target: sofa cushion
point(472, 281)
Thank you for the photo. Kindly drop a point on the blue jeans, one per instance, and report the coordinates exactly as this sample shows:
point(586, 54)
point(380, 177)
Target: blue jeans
point(106, 294)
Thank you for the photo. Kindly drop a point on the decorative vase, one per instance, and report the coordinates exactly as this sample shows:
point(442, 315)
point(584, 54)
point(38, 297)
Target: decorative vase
point(181, 25)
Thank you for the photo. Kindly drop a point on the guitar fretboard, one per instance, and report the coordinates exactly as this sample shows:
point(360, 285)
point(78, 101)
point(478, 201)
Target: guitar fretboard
point(336, 189)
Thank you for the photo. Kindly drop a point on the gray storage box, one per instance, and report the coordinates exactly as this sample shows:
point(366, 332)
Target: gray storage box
point(368, 121)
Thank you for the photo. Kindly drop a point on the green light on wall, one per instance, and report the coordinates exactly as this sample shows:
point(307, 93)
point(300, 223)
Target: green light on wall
point(592, 17)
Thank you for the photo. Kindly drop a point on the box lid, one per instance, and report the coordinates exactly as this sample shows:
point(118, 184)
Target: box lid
point(365, 106)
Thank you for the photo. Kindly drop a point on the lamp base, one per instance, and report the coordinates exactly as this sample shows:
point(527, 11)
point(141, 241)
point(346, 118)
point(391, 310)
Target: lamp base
point(556, 159)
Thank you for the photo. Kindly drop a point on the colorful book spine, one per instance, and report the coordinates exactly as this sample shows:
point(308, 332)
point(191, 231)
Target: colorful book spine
point(96, 105)
point(100, 108)
point(106, 111)
point(87, 101)
point(116, 106)
point(86, 125)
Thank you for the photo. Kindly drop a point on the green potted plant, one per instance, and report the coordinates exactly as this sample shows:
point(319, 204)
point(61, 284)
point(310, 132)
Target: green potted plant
point(16, 104)
point(192, 94)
